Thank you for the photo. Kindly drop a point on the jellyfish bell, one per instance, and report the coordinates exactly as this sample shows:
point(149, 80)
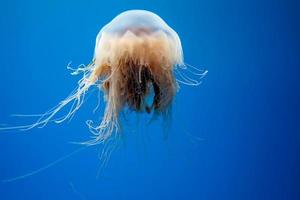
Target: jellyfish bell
point(136, 54)
point(133, 28)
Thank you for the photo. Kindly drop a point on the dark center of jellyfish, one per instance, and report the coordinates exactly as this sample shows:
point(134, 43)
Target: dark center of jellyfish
point(140, 85)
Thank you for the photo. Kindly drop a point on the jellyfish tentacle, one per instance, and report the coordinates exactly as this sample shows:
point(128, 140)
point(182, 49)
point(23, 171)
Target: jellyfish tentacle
point(189, 75)
point(41, 169)
point(186, 80)
point(192, 69)
point(98, 100)
point(77, 97)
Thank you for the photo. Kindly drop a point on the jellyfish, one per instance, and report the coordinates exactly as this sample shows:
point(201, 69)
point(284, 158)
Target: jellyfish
point(136, 54)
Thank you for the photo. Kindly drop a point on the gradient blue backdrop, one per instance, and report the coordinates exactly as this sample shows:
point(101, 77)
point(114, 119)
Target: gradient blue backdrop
point(234, 137)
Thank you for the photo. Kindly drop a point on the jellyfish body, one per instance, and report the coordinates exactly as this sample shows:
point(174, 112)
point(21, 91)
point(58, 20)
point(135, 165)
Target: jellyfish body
point(136, 54)
point(138, 50)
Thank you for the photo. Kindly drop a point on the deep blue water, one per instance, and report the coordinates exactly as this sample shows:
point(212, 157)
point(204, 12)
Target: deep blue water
point(236, 136)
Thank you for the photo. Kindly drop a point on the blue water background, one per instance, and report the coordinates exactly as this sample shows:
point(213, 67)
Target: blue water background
point(236, 136)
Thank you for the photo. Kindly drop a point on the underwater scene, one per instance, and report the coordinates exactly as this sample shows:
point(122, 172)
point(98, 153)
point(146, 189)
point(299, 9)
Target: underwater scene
point(149, 100)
